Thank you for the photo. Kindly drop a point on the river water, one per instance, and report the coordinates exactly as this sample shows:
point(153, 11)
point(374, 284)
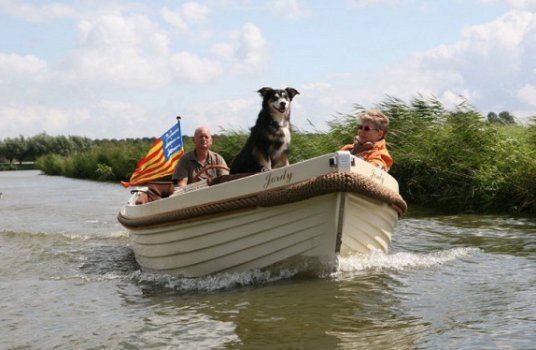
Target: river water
point(68, 280)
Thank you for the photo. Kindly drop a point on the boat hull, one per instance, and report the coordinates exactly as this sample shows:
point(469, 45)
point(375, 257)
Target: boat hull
point(315, 217)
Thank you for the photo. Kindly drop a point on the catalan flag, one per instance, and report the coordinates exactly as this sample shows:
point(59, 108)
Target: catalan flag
point(161, 159)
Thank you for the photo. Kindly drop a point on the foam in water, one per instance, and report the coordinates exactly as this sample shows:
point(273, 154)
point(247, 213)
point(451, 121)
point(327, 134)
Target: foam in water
point(214, 282)
point(71, 235)
point(378, 261)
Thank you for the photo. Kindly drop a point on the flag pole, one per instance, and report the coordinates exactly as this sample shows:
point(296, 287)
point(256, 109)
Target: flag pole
point(180, 127)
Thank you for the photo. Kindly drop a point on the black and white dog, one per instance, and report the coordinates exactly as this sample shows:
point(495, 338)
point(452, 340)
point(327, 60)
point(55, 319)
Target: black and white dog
point(268, 144)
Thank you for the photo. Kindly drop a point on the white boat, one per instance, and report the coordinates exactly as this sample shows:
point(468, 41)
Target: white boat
point(319, 208)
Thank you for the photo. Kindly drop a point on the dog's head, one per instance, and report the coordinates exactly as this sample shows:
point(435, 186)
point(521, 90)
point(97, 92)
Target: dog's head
point(277, 99)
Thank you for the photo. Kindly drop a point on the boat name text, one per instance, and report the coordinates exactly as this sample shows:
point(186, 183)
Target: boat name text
point(377, 175)
point(273, 179)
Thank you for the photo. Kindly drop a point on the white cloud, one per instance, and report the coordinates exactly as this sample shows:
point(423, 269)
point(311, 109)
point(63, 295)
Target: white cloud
point(189, 13)
point(11, 64)
point(127, 51)
point(492, 67)
point(115, 51)
point(251, 47)
point(527, 50)
point(528, 94)
point(317, 86)
point(195, 12)
point(225, 114)
point(225, 50)
point(451, 98)
point(484, 67)
point(34, 119)
point(189, 67)
point(506, 31)
point(103, 119)
point(130, 119)
point(529, 5)
point(155, 54)
point(364, 3)
point(34, 13)
point(290, 9)
point(22, 78)
point(246, 49)
point(174, 18)
point(131, 51)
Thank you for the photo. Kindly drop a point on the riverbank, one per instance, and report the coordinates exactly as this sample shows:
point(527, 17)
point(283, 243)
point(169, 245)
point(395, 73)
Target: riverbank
point(17, 166)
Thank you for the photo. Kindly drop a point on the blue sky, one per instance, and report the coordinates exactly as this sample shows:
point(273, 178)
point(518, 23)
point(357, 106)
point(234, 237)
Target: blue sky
point(117, 69)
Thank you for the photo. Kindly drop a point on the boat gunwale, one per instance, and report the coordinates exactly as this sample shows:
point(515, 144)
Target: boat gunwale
point(320, 185)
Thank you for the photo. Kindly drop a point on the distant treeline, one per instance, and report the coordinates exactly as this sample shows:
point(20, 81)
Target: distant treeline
point(451, 160)
point(19, 150)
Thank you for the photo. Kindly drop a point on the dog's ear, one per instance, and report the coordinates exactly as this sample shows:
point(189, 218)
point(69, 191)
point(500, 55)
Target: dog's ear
point(291, 92)
point(264, 91)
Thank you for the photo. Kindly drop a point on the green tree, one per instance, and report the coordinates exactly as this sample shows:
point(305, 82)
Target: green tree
point(39, 145)
point(493, 117)
point(506, 118)
point(15, 149)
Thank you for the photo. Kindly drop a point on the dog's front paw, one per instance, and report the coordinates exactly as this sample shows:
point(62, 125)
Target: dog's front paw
point(265, 169)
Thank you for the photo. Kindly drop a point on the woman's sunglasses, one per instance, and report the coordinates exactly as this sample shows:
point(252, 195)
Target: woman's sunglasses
point(366, 128)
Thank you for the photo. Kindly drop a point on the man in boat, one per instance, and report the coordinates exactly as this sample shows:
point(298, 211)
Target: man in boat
point(369, 143)
point(201, 163)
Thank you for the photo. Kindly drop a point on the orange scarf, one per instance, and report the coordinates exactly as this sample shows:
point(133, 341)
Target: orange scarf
point(377, 155)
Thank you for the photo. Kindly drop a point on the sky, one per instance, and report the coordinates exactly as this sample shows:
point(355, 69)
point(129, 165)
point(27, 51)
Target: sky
point(125, 69)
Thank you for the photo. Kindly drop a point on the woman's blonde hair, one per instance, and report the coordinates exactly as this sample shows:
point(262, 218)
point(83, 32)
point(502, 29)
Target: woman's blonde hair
point(376, 117)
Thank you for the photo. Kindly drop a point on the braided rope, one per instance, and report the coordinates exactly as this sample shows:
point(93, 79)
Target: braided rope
point(329, 183)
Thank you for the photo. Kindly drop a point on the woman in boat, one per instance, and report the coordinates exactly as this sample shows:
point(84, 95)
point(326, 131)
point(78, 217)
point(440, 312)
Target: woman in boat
point(369, 143)
point(200, 163)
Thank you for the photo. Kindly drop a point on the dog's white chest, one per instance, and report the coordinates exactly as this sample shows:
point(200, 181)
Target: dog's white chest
point(284, 144)
point(286, 132)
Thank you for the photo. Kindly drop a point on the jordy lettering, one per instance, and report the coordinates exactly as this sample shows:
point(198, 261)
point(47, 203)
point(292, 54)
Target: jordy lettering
point(377, 175)
point(275, 179)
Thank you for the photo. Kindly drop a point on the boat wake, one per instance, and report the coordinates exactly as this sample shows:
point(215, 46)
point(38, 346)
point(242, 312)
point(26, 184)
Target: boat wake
point(379, 261)
point(347, 267)
point(66, 236)
point(212, 283)
point(110, 262)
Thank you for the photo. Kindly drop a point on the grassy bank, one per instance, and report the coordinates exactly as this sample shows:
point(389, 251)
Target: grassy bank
point(17, 166)
point(451, 160)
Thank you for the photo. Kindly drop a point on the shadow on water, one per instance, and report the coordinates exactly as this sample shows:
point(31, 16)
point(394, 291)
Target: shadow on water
point(100, 260)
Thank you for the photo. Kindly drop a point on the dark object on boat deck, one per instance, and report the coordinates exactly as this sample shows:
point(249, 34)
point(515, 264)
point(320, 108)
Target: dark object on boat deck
point(155, 190)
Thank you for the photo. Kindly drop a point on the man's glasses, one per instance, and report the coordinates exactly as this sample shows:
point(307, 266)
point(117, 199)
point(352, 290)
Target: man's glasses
point(366, 128)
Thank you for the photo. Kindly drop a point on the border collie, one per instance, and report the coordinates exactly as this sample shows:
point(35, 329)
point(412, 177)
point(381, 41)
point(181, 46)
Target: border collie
point(268, 144)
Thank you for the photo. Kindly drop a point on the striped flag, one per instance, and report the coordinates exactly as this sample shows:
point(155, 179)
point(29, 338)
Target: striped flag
point(161, 159)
